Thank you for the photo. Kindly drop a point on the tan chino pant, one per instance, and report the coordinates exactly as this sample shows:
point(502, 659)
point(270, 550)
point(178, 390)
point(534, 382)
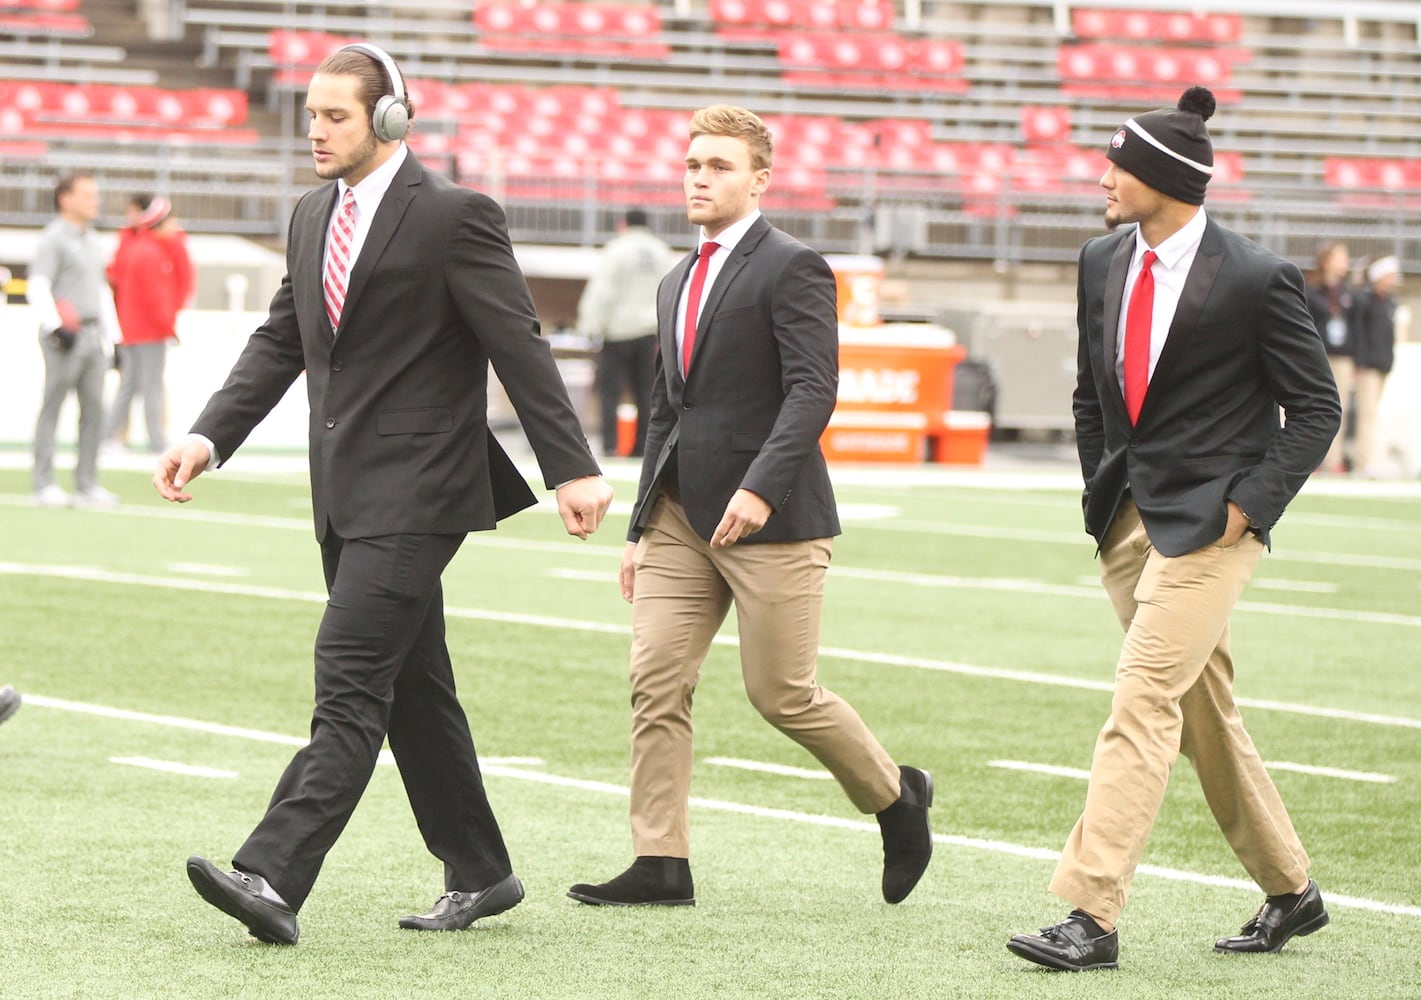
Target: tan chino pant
point(1173, 694)
point(683, 590)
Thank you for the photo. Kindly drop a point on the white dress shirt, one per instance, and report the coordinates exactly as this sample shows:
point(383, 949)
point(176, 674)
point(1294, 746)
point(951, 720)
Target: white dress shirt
point(727, 241)
point(1175, 256)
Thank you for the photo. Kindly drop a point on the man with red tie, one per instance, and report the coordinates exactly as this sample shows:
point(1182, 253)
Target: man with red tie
point(735, 507)
point(1191, 340)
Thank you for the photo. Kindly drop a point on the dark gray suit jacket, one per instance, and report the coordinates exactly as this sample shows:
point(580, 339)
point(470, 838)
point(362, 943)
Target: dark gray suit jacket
point(1242, 344)
point(763, 382)
point(399, 438)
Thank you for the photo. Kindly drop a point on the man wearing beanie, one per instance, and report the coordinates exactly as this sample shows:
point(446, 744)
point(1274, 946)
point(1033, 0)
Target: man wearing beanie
point(1191, 340)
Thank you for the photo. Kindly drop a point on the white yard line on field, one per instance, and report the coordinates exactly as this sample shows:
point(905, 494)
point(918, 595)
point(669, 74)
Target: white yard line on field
point(744, 809)
point(782, 770)
point(607, 628)
point(173, 767)
point(1057, 771)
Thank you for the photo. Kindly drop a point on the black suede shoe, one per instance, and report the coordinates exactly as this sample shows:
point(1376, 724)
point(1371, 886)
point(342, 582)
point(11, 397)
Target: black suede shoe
point(1277, 920)
point(246, 897)
point(650, 881)
point(1074, 945)
point(9, 702)
point(907, 838)
point(456, 909)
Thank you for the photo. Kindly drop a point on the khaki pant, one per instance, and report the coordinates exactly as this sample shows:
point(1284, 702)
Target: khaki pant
point(1173, 694)
point(1368, 383)
point(1344, 372)
point(684, 589)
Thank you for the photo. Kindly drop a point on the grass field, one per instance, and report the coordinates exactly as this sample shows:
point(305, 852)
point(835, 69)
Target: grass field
point(964, 621)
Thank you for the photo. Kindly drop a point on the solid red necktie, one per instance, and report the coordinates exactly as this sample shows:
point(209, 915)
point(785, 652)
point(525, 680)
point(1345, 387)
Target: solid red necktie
point(693, 304)
point(1139, 317)
point(340, 240)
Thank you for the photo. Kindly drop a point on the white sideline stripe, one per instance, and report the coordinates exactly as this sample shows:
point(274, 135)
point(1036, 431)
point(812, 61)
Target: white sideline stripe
point(203, 569)
point(1330, 772)
point(173, 767)
point(784, 770)
point(574, 625)
point(485, 538)
point(1051, 769)
point(1298, 586)
point(721, 805)
point(607, 575)
point(387, 759)
point(1272, 765)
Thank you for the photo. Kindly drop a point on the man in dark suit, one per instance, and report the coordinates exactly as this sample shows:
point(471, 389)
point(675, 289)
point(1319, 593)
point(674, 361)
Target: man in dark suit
point(401, 288)
point(735, 506)
point(1191, 339)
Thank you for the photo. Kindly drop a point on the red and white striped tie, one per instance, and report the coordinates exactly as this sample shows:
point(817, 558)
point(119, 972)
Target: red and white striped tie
point(342, 236)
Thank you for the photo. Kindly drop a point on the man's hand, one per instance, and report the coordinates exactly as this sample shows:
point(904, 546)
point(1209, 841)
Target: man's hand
point(626, 575)
point(177, 467)
point(583, 503)
point(745, 514)
point(1236, 528)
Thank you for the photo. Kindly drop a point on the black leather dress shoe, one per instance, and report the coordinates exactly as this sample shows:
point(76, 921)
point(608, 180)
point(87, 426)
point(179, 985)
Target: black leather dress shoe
point(9, 702)
point(1280, 918)
point(650, 881)
point(1074, 945)
point(456, 909)
point(246, 897)
point(907, 838)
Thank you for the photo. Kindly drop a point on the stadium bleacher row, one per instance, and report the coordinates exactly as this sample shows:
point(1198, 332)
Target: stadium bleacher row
point(947, 114)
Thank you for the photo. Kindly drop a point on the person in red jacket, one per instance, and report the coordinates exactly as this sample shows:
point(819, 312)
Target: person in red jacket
point(152, 278)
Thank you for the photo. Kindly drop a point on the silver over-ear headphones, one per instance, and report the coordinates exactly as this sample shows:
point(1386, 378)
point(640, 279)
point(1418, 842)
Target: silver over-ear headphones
point(391, 118)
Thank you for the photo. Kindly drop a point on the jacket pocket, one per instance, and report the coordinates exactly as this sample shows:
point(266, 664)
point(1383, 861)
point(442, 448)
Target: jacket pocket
point(427, 420)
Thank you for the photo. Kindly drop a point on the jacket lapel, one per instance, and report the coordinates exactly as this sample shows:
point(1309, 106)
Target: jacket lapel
point(382, 228)
point(666, 323)
point(1114, 294)
point(308, 282)
point(1202, 274)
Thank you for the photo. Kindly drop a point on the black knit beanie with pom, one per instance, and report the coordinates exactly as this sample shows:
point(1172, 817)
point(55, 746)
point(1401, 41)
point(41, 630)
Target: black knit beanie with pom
point(1169, 149)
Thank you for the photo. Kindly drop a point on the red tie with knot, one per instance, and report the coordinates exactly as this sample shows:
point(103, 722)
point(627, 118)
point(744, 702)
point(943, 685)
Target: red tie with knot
point(693, 304)
point(1139, 317)
point(340, 240)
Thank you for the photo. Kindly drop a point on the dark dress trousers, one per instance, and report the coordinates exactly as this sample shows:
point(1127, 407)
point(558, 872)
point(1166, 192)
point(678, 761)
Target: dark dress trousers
point(402, 466)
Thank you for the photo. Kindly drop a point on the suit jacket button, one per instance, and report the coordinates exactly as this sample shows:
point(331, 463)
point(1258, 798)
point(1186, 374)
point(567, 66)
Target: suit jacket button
point(687, 406)
point(330, 422)
point(336, 366)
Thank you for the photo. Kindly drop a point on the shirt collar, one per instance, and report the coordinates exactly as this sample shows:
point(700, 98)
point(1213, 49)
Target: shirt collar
point(731, 236)
point(1182, 241)
point(371, 190)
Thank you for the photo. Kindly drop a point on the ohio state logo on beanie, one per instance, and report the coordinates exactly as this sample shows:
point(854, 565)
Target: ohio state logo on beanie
point(1169, 149)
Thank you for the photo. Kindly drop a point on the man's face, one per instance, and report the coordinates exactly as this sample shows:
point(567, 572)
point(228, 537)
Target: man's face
point(1129, 199)
point(342, 142)
point(721, 186)
point(80, 204)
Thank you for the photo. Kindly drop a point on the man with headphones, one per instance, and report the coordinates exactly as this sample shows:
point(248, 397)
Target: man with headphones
point(401, 288)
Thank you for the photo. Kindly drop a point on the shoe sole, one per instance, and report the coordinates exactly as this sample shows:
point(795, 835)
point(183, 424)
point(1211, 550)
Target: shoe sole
point(1317, 923)
point(1023, 950)
point(10, 709)
point(204, 875)
point(598, 901)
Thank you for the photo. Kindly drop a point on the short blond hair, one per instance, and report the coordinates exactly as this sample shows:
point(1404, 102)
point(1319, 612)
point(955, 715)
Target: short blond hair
point(727, 119)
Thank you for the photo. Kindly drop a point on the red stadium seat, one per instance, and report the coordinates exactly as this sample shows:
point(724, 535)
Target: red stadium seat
point(1045, 124)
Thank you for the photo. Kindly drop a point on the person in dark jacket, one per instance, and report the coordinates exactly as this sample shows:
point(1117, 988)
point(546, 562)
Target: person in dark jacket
point(1331, 300)
point(1374, 348)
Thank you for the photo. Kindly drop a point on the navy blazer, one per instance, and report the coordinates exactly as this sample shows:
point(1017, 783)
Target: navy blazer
point(399, 438)
point(1242, 344)
point(763, 383)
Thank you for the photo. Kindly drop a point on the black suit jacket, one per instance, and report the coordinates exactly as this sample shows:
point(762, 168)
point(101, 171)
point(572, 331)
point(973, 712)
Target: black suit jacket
point(1242, 344)
point(399, 438)
point(763, 382)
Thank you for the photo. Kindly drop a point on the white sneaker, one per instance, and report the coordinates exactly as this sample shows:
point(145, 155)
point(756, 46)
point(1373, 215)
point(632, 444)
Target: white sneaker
point(52, 496)
point(95, 497)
